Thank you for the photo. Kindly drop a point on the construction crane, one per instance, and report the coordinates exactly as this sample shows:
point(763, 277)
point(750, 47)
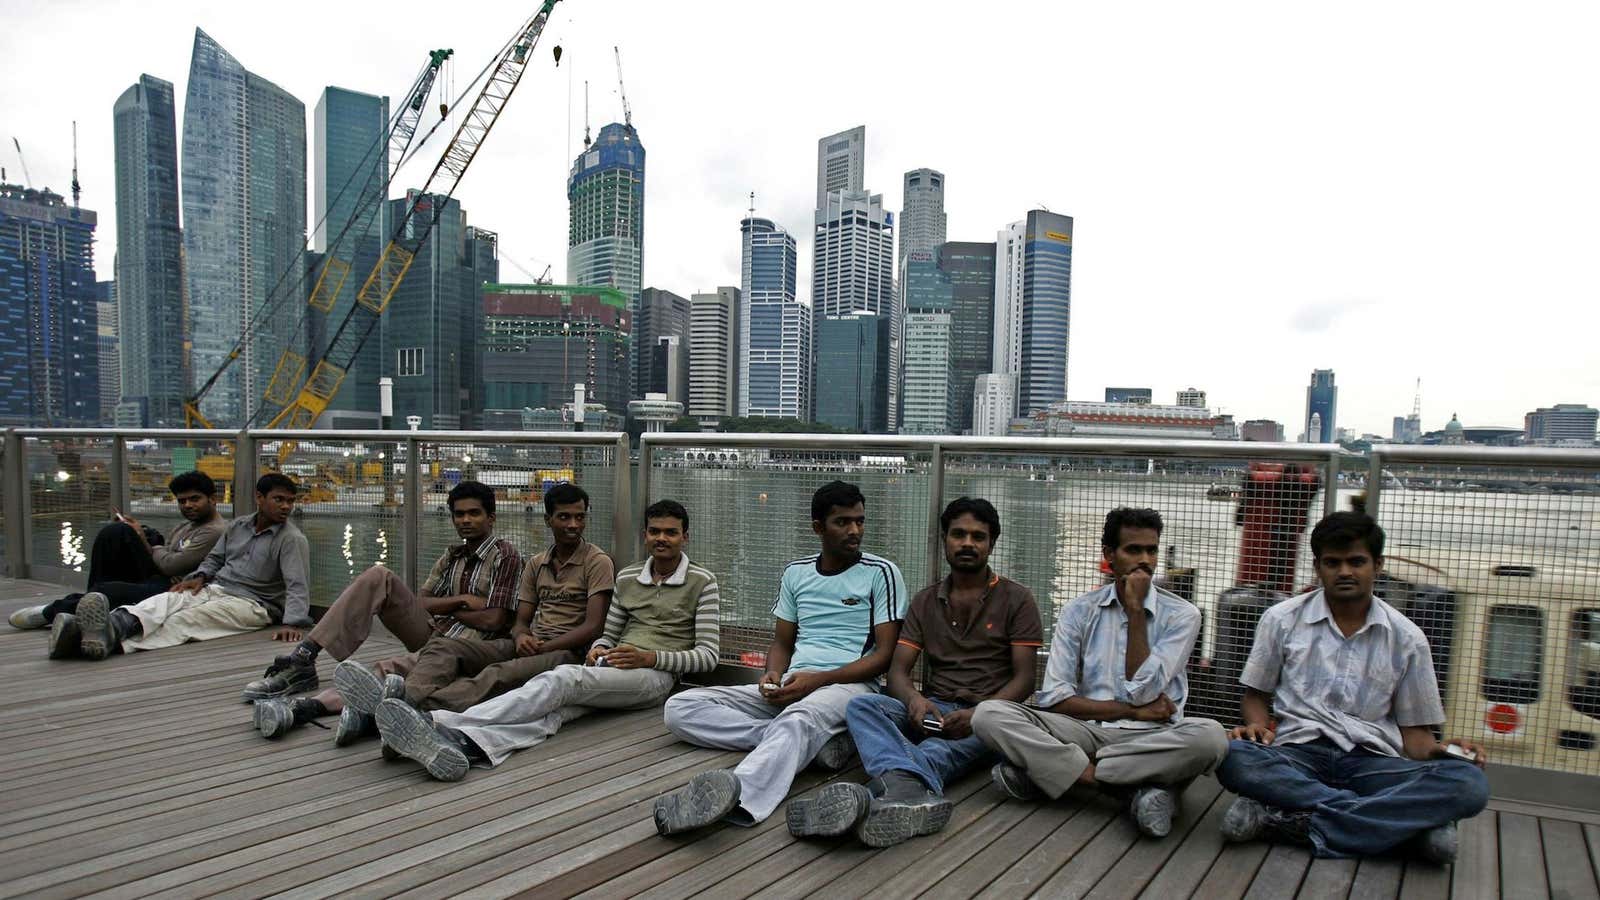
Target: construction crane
point(27, 179)
point(412, 230)
point(76, 188)
point(627, 114)
point(334, 271)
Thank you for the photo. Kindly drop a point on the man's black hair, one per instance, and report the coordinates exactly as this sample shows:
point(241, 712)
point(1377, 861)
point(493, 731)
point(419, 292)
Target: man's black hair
point(1346, 529)
point(472, 490)
point(272, 481)
point(834, 493)
point(662, 509)
point(1127, 517)
point(562, 494)
point(978, 508)
point(192, 481)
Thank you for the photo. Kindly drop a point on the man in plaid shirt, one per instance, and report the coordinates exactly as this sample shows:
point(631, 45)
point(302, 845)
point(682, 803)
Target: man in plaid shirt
point(471, 593)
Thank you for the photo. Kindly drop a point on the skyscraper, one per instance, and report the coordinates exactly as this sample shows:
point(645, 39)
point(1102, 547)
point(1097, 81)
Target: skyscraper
point(660, 314)
point(853, 371)
point(1033, 307)
point(841, 163)
point(993, 403)
point(244, 225)
point(775, 331)
point(541, 339)
point(49, 369)
point(350, 166)
point(1322, 402)
point(928, 406)
point(713, 354)
point(152, 328)
point(605, 231)
point(969, 268)
point(108, 351)
point(922, 219)
point(853, 269)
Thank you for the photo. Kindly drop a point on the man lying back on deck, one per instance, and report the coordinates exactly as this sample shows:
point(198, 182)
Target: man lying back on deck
point(838, 614)
point(663, 622)
point(469, 595)
point(1351, 767)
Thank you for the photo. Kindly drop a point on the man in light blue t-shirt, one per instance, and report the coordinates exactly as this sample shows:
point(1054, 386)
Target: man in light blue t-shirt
point(837, 617)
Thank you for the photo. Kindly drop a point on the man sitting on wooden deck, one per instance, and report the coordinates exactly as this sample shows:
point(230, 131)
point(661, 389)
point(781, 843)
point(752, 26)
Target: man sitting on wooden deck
point(838, 614)
point(663, 622)
point(1110, 713)
point(257, 573)
point(1351, 766)
point(469, 595)
point(981, 633)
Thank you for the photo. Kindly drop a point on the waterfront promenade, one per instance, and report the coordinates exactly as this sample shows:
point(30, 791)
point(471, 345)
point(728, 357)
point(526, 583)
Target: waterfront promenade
point(143, 776)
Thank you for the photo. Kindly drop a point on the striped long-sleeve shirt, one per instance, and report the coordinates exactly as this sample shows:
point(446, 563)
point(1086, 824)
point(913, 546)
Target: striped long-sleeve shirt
point(677, 617)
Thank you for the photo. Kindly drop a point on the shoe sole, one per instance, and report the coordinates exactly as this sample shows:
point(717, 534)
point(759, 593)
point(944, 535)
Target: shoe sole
point(708, 798)
point(273, 720)
point(353, 726)
point(888, 824)
point(28, 618)
point(838, 753)
point(65, 637)
point(304, 685)
point(1166, 804)
point(412, 735)
point(1242, 821)
point(830, 812)
point(94, 624)
point(360, 687)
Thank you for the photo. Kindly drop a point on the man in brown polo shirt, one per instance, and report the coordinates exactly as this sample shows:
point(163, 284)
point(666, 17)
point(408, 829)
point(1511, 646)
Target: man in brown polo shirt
point(981, 633)
point(561, 609)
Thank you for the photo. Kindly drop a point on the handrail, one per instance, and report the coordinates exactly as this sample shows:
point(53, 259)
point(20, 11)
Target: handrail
point(978, 444)
point(1490, 456)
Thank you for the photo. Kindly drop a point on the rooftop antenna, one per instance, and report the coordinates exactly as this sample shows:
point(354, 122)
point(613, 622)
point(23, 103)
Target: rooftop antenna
point(76, 188)
point(1416, 402)
point(752, 204)
point(627, 114)
point(586, 114)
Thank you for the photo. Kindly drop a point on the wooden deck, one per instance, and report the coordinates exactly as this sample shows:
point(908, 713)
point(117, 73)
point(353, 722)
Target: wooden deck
point(142, 775)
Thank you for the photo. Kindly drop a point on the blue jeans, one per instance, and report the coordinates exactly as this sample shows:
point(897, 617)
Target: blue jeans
point(883, 736)
point(1361, 803)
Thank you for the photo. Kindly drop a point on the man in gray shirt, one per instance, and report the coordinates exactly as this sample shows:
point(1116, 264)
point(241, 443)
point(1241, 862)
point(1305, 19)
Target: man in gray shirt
point(257, 574)
point(1351, 766)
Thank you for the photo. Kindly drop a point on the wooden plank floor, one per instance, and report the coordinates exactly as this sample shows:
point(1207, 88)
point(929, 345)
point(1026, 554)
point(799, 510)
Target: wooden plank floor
point(142, 775)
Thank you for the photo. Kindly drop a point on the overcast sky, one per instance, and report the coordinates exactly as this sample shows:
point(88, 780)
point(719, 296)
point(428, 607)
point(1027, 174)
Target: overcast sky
point(1391, 190)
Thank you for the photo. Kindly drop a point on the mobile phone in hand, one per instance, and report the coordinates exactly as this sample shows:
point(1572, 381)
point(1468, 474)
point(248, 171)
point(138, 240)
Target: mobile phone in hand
point(1460, 752)
point(932, 723)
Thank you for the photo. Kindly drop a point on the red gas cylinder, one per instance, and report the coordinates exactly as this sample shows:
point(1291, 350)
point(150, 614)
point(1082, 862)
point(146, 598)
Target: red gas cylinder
point(1272, 511)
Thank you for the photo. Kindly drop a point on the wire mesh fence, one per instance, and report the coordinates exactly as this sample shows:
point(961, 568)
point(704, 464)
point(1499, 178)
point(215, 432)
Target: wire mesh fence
point(69, 498)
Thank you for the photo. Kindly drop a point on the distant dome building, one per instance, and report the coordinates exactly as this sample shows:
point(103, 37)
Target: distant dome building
point(1453, 432)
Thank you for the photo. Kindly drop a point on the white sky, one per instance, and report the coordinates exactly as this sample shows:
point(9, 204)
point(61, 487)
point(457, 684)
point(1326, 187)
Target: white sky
point(1392, 190)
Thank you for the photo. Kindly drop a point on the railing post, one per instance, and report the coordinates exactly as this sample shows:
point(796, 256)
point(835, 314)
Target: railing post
point(14, 480)
point(1330, 484)
point(120, 495)
point(411, 512)
point(935, 507)
point(622, 517)
point(244, 474)
point(1374, 480)
point(637, 541)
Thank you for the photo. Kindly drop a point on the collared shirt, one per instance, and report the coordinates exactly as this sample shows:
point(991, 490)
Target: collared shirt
point(971, 663)
point(490, 570)
point(188, 545)
point(837, 613)
point(1355, 691)
point(678, 617)
point(271, 567)
point(561, 592)
point(1089, 653)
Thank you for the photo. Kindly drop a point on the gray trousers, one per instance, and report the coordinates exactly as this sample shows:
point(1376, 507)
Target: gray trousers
point(1055, 749)
point(781, 739)
point(526, 716)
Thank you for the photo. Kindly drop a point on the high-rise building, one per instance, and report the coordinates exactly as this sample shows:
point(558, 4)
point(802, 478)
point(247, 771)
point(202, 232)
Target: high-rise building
point(1130, 395)
point(775, 332)
point(1261, 430)
point(1564, 423)
point(1033, 307)
point(993, 401)
point(853, 270)
point(1322, 402)
point(605, 223)
point(841, 163)
point(660, 314)
point(350, 174)
point(1192, 397)
point(922, 218)
point(853, 372)
point(151, 321)
point(713, 355)
point(49, 368)
point(431, 333)
point(541, 339)
point(968, 267)
point(927, 396)
point(244, 226)
point(669, 369)
point(108, 350)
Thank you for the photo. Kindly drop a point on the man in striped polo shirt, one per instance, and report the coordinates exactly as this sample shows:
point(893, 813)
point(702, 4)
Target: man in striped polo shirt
point(469, 594)
point(663, 622)
point(838, 614)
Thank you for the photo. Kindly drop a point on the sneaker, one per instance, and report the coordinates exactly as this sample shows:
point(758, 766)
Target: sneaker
point(708, 797)
point(65, 636)
point(413, 735)
point(830, 812)
point(1440, 844)
point(1247, 820)
point(353, 726)
point(99, 636)
point(906, 809)
point(838, 753)
point(1152, 809)
point(1014, 782)
point(361, 688)
point(285, 676)
point(28, 618)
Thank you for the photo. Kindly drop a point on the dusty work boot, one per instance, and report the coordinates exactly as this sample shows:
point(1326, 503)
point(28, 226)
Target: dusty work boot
point(838, 753)
point(363, 689)
point(100, 635)
point(287, 675)
point(1439, 844)
point(906, 808)
point(1152, 809)
point(353, 726)
point(277, 716)
point(1014, 782)
point(1247, 820)
point(65, 636)
point(830, 812)
point(413, 735)
point(708, 798)
point(28, 618)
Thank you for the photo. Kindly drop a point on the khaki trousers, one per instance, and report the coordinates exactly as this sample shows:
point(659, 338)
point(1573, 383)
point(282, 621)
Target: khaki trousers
point(378, 594)
point(456, 674)
point(170, 619)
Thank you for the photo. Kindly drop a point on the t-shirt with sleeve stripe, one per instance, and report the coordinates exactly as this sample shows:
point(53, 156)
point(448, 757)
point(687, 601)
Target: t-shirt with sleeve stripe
point(678, 617)
point(835, 614)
